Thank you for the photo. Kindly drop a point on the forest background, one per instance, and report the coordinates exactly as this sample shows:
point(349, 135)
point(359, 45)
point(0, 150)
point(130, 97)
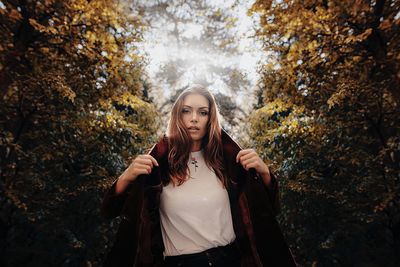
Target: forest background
point(317, 94)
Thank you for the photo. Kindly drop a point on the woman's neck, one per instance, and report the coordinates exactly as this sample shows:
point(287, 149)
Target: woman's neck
point(196, 146)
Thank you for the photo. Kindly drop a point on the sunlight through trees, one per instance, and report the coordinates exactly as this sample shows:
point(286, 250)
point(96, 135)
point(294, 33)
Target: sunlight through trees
point(312, 85)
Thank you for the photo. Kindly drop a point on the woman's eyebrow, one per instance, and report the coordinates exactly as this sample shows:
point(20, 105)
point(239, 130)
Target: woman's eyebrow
point(187, 106)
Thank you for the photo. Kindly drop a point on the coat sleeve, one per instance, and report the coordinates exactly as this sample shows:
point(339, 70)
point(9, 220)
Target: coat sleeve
point(273, 193)
point(113, 203)
point(258, 191)
point(116, 204)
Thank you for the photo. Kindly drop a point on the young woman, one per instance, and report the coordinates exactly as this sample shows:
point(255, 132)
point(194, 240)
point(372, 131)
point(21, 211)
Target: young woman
point(197, 198)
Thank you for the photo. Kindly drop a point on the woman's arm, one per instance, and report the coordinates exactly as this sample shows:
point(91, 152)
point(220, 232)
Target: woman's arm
point(251, 160)
point(266, 177)
point(273, 191)
point(116, 196)
point(123, 182)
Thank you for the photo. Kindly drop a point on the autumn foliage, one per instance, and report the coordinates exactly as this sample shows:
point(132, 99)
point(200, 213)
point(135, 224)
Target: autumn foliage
point(328, 118)
point(73, 110)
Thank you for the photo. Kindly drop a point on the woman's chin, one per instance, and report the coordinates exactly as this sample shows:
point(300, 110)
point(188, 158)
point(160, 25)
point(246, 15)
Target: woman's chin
point(196, 137)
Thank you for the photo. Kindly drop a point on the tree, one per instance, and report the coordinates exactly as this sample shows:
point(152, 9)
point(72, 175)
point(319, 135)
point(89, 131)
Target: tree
point(201, 45)
point(73, 111)
point(327, 120)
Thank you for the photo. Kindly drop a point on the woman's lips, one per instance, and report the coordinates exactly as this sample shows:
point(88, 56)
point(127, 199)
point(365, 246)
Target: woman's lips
point(193, 130)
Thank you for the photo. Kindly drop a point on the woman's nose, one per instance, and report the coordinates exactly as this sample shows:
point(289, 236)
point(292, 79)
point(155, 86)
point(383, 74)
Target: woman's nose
point(194, 116)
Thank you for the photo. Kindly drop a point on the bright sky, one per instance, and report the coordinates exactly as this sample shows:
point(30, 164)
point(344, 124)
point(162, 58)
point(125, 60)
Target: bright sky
point(161, 48)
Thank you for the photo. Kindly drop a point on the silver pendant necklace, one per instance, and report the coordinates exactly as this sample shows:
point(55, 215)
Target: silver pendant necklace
point(194, 162)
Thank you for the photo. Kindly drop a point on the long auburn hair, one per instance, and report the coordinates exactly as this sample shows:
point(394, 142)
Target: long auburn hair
point(180, 142)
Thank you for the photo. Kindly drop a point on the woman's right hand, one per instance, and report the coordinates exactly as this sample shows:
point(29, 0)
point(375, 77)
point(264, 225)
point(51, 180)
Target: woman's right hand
point(142, 164)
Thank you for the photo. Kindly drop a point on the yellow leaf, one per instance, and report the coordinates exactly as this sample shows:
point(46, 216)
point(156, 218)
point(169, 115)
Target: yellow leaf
point(357, 59)
point(311, 46)
point(15, 15)
point(37, 25)
point(385, 25)
point(364, 35)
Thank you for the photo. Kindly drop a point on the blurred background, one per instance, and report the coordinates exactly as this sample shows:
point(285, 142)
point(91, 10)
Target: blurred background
point(313, 86)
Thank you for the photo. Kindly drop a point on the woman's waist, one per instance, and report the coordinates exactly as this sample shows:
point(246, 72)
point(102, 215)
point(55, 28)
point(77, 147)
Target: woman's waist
point(224, 250)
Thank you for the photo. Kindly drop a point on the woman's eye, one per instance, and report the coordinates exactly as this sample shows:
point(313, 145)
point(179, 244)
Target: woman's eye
point(204, 113)
point(185, 111)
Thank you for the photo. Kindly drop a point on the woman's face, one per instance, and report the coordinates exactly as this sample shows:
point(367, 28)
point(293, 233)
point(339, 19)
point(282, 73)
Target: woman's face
point(195, 115)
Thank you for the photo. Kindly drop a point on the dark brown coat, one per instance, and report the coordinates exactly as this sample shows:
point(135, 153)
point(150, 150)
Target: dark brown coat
point(253, 206)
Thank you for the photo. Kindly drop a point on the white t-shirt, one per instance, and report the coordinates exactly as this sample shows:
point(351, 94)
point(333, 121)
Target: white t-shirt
point(196, 215)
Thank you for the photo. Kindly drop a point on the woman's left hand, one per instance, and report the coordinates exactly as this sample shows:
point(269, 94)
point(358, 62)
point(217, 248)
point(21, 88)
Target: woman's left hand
point(250, 159)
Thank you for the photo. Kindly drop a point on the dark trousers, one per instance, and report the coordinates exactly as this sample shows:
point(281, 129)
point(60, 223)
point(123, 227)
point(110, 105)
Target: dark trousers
point(226, 256)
